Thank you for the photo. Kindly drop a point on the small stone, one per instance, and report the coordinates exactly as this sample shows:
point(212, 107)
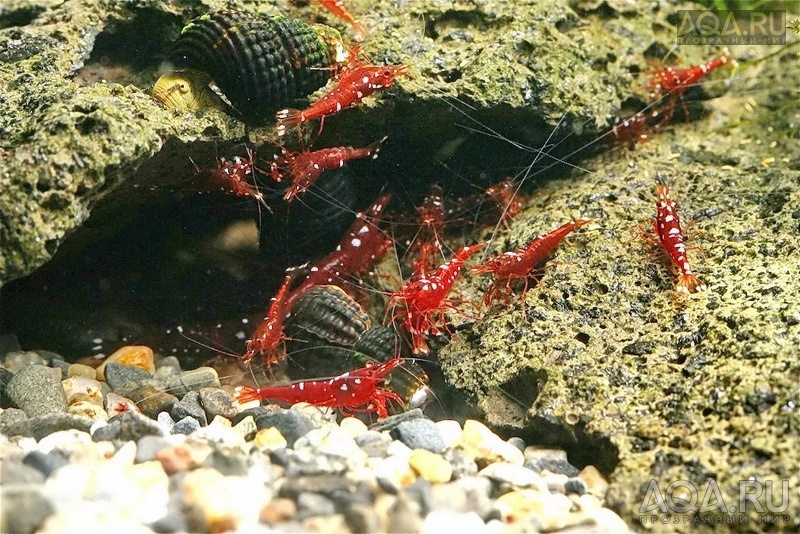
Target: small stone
point(133, 356)
point(316, 415)
point(37, 390)
point(61, 365)
point(186, 426)
point(362, 518)
point(270, 439)
point(18, 360)
point(24, 507)
point(325, 524)
point(463, 465)
point(217, 401)
point(151, 401)
point(228, 463)
point(15, 472)
point(9, 417)
point(277, 511)
point(147, 448)
point(41, 427)
point(128, 426)
point(89, 389)
point(437, 522)
point(519, 443)
point(516, 505)
point(393, 473)
point(392, 421)
point(575, 486)
point(189, 406)
point(45, 463)
point(291, 424)
point(175, 459)
point(246, 428)
point(450, 431)
point(193, 380)
point(333, 442)
point(166, 422)
point(84, 371)
point(325, 484)
point(122, 378)
point(420, 434)
point(399, 449)
point(353, 427)
point(430, 466)
point(88, 409)
point(404, 516)
point(375, 444)
point(208, 503)
point(596, 484)
point(117, 404)
point(478, 494)
point(515, 476)
point(553, 465)
point(5, 377)
point(312, 504)
point(486, 447)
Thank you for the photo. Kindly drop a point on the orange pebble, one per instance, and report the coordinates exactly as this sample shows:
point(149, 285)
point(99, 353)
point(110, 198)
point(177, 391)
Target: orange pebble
point(139, 356)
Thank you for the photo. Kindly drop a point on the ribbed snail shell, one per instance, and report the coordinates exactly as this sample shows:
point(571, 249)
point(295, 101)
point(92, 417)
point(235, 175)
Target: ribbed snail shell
point(261, 64)
point(328, 314)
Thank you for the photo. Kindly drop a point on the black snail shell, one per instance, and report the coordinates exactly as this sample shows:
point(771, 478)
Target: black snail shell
point(261, 64)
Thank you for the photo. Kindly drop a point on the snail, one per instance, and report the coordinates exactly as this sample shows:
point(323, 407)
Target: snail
point(260, 64)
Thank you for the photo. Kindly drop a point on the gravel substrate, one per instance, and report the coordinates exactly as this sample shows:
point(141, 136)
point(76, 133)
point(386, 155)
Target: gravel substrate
point(170, 451)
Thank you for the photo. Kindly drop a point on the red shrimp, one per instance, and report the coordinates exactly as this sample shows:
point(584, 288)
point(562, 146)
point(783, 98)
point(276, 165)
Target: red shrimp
point(427, 245)
point(667, 226)
point(362, 245)
point(522, 262)
point(632, 130)
point(354, 84)
point(353, 391)
point(427, 296)
point(505, 195)
point(672, 83)
point(231, 177)
point(269, 333)
point(306, 167)
point(337, 8)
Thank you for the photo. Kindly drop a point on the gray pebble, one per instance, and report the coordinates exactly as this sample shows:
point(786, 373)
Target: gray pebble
point(463, 465)
point(319, 464)
point(20, 359)
point(362, 518)
point(165, 420)
point(216, 401)
point(420, 434)
point(15, 472)
point(478, 492)
point(37, 390)
point(310, 504)
point(118, 376)
point(5, 376)
point(559, 466)
point(375, 444)
point(420, 493)
point(228, 462)
point(292, 425)
point(324, 484)
point(23, 507)
point(186, 426)
point(169, 362)
point(189, 406)
point(61, 364)
point(10, 416)
point(147, 448)
point(404, 516)
point(45, 463)
point(392, 421)
point(40, 427)
point(575, 486)
point(127, 426)
point(193, 380)
point(517, 442)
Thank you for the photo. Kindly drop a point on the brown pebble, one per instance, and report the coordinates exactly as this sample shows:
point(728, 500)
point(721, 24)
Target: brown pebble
point(139, 356)
point(79, 369)
point(277, 511)
point(175, 459)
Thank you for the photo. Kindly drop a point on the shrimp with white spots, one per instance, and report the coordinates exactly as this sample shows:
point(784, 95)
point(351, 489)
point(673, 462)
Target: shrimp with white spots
point(667, 226)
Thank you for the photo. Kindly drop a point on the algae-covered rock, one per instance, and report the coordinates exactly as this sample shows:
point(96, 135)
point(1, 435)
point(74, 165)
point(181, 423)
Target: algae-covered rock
point(79, 126)
point(610, 362)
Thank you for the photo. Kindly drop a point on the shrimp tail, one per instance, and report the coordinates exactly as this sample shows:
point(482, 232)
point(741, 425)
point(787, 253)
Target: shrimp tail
point(689, 283)
point(245, 394)
point(288, 117)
